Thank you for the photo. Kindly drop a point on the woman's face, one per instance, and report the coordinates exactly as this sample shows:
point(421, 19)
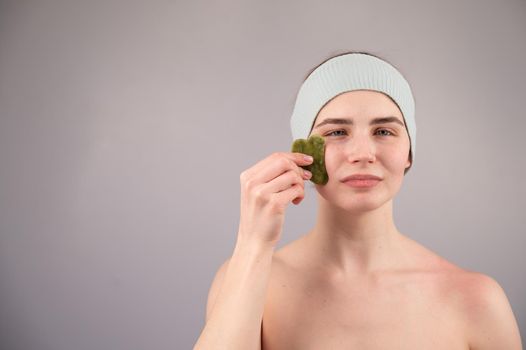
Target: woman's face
point(356, 145)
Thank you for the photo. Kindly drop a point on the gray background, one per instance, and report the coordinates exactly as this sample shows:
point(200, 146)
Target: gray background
point(124, 127)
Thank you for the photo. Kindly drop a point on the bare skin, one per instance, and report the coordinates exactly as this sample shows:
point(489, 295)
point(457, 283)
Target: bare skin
point(310, 306)
point(354, 281)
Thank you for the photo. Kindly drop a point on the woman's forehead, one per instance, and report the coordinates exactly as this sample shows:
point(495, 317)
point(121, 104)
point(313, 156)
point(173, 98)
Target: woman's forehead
point(361, 101)
point(359, 107)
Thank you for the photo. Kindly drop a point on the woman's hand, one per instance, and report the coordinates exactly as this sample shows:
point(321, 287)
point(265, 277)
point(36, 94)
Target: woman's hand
point(266, 190)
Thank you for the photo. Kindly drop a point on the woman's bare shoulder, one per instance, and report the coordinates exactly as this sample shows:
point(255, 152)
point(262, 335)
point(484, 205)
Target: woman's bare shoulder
point(482, 304)
point(485, 308)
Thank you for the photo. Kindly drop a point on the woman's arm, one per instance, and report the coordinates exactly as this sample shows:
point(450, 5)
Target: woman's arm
point(236, 314)
point(236, 300)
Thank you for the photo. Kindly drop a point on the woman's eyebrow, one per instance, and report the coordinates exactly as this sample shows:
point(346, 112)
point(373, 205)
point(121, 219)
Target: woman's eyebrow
point(343, 121)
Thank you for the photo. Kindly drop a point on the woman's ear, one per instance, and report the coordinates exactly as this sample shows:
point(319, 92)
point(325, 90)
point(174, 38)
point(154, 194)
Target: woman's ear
point(409, 162)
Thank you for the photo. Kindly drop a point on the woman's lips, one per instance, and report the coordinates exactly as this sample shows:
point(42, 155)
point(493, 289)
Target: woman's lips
point(362, 180)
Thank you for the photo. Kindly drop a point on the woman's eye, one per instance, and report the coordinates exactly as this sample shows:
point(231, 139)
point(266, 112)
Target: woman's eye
point(332, 132)
point(390, 133)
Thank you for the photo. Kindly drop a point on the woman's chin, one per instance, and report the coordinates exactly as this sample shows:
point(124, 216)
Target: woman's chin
point(360, 206)
point(356, 202)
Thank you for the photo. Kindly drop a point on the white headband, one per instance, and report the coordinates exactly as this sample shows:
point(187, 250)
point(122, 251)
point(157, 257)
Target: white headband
point(347, 73)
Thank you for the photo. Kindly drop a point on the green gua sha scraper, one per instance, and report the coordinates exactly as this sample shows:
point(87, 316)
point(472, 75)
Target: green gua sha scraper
point(315, 147)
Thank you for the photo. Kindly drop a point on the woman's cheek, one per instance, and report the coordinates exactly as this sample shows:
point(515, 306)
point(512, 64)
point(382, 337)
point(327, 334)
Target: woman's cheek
point(332, 158)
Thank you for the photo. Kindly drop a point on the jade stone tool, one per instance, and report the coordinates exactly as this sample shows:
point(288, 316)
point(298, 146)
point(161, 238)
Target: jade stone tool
point(315, 147)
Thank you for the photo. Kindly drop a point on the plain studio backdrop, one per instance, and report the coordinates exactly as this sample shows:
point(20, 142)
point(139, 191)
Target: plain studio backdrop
point(124, 127)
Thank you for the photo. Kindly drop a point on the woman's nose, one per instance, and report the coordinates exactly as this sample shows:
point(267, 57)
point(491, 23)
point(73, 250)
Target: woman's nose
point(361, 149)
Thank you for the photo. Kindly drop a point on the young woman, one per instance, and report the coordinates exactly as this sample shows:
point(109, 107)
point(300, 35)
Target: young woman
point(354, 281)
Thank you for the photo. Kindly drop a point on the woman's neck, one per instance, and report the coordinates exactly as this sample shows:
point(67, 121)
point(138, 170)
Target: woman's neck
point(352, 243)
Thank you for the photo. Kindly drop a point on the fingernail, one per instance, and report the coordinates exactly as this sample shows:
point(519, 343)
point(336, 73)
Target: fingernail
point(308, 173)
point(308, 158)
